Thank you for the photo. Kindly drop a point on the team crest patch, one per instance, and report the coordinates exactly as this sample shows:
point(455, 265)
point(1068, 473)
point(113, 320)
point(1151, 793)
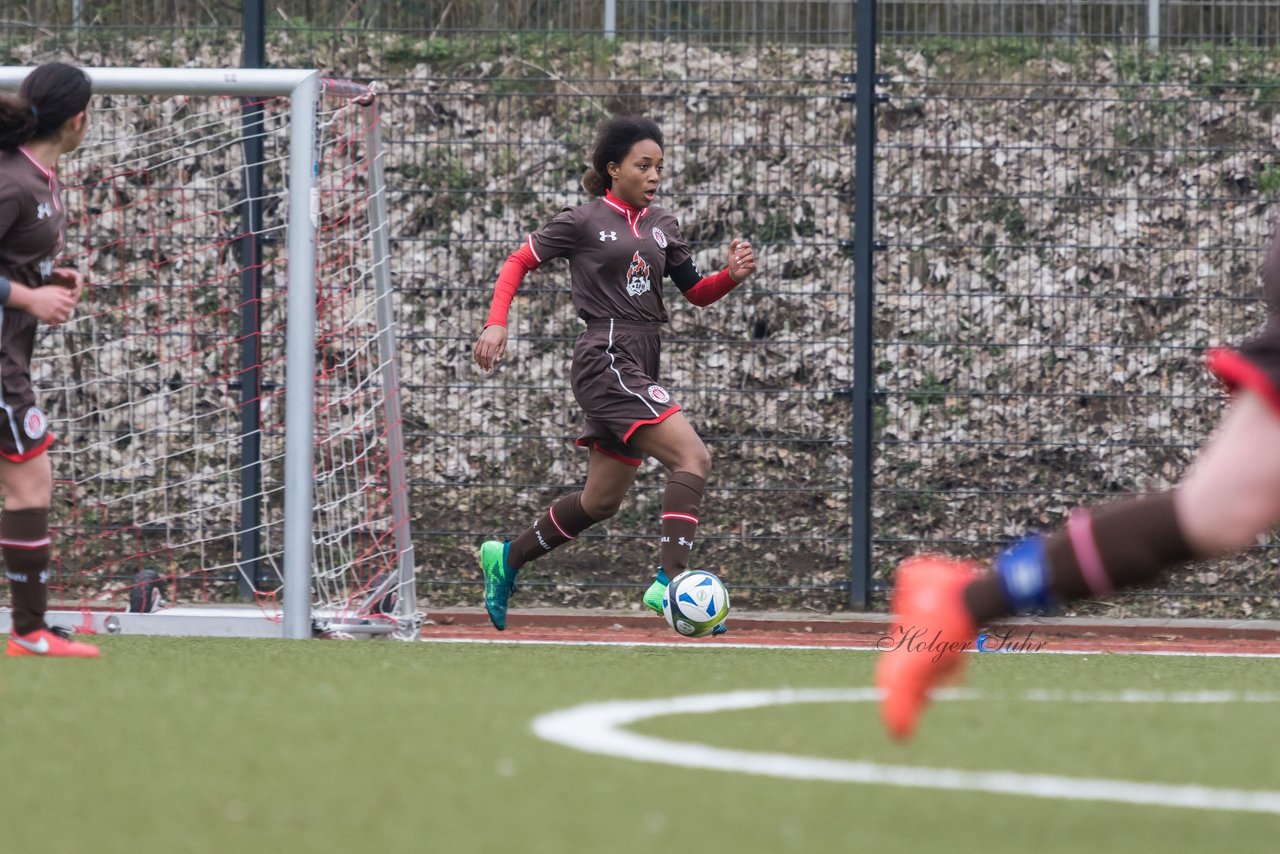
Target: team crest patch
point(659, 237)
point(638, 276)
point(34, 424)
point(658, 394)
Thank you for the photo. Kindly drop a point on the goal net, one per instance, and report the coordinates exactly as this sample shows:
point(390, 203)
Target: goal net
point(225, 399)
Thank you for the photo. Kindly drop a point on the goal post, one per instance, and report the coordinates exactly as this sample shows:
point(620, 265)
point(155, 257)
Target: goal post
point(139, 382)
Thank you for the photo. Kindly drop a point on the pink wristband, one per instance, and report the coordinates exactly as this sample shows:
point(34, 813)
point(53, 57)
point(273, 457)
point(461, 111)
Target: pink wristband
point(1080, 530)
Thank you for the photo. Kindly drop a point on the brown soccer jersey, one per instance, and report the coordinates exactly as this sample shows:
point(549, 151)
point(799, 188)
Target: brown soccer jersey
point(31, 224)
point(31, 219)
point(617, 257)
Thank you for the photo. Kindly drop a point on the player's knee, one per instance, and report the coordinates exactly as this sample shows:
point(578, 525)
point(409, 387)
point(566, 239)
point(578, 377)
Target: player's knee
point(1234, 525)
point(696, 461)
point(1244, 531)
point(600, 508)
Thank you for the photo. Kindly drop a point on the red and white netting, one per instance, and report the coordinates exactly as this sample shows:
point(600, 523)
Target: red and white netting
point(155, 465)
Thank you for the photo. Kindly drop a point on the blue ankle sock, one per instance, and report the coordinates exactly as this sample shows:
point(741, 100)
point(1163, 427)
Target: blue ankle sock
point(1024, 576)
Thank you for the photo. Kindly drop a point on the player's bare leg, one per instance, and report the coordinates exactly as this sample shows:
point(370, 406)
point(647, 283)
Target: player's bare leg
point(1231, 494)
point(25, 544)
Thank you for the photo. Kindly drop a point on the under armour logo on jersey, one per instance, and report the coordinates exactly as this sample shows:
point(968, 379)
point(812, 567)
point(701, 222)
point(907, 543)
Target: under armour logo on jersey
point(44, 210)
point(638, 276)
point(608, 235)
point(46, 268)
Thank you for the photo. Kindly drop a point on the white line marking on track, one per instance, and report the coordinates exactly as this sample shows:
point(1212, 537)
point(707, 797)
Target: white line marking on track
point(598, 728)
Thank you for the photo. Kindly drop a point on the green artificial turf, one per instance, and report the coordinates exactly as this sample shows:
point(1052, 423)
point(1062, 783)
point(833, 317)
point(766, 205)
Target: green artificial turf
point(189, 745)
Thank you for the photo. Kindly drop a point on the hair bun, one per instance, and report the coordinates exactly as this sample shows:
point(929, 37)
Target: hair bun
point(593, 182)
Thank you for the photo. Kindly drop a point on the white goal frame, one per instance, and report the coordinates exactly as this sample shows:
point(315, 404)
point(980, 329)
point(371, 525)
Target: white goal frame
point(303, 88)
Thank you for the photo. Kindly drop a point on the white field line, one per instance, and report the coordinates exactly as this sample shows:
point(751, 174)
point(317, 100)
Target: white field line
point(599, 728)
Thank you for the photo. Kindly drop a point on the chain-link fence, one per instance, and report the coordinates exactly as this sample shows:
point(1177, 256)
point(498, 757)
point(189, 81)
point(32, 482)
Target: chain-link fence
point(757, 147)
point(172, 28)
point(1071, 199)
point(1069, 227)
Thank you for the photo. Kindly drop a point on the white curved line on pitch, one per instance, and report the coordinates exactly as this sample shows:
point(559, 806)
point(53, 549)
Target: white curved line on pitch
point(598, 728)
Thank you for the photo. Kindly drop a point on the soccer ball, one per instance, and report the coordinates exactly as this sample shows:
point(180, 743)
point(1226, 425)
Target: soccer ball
point(695, 603)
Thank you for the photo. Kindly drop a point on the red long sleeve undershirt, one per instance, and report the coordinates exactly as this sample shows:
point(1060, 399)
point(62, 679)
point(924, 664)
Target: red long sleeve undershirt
point(711, 288)
point(520, 263)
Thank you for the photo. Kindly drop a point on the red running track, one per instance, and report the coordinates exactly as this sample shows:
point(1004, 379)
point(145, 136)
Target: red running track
point(865, 632)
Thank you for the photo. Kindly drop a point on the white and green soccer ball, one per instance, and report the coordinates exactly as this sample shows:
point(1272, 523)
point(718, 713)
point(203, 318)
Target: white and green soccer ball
point(695, 603)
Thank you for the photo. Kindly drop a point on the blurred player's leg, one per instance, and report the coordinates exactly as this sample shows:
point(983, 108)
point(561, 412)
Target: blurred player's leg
point(931, 630)
point(1229, 496)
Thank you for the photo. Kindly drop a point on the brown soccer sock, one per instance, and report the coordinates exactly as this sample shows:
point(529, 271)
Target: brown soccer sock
point(680, 503)
point(1122, 545)
point(562, 522)
point(24, 542)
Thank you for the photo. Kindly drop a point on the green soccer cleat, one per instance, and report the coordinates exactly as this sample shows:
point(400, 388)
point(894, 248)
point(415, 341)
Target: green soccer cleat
point(499, 580)
point(653, 596)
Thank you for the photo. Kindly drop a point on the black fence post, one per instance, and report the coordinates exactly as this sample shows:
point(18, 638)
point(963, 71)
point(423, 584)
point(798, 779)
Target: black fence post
point(250, 534)
point(864, 136)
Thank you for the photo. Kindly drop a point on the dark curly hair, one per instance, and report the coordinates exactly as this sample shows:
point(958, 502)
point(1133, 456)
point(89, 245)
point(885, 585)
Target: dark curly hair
point(615, 138)
point(50, 94)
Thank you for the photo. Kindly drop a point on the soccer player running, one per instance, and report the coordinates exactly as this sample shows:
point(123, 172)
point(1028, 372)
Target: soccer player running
point(46, 120)
point(1228, 497)
point(619, 247)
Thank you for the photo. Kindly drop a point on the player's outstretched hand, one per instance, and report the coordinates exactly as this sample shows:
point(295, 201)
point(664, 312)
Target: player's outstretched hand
point(490, 347)
point(742, 260)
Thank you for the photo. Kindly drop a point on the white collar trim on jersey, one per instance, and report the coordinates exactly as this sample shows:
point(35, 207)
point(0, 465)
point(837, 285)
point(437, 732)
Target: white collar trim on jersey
point(47, 173)
point(633, 215)
point(44, 170)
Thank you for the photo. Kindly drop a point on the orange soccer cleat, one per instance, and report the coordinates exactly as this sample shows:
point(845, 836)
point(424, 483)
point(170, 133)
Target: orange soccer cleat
point(931, 631)
point(46, 643)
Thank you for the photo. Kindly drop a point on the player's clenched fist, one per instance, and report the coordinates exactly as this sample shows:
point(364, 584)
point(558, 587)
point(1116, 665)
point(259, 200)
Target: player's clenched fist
point(490, 346)
point(742, 260)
